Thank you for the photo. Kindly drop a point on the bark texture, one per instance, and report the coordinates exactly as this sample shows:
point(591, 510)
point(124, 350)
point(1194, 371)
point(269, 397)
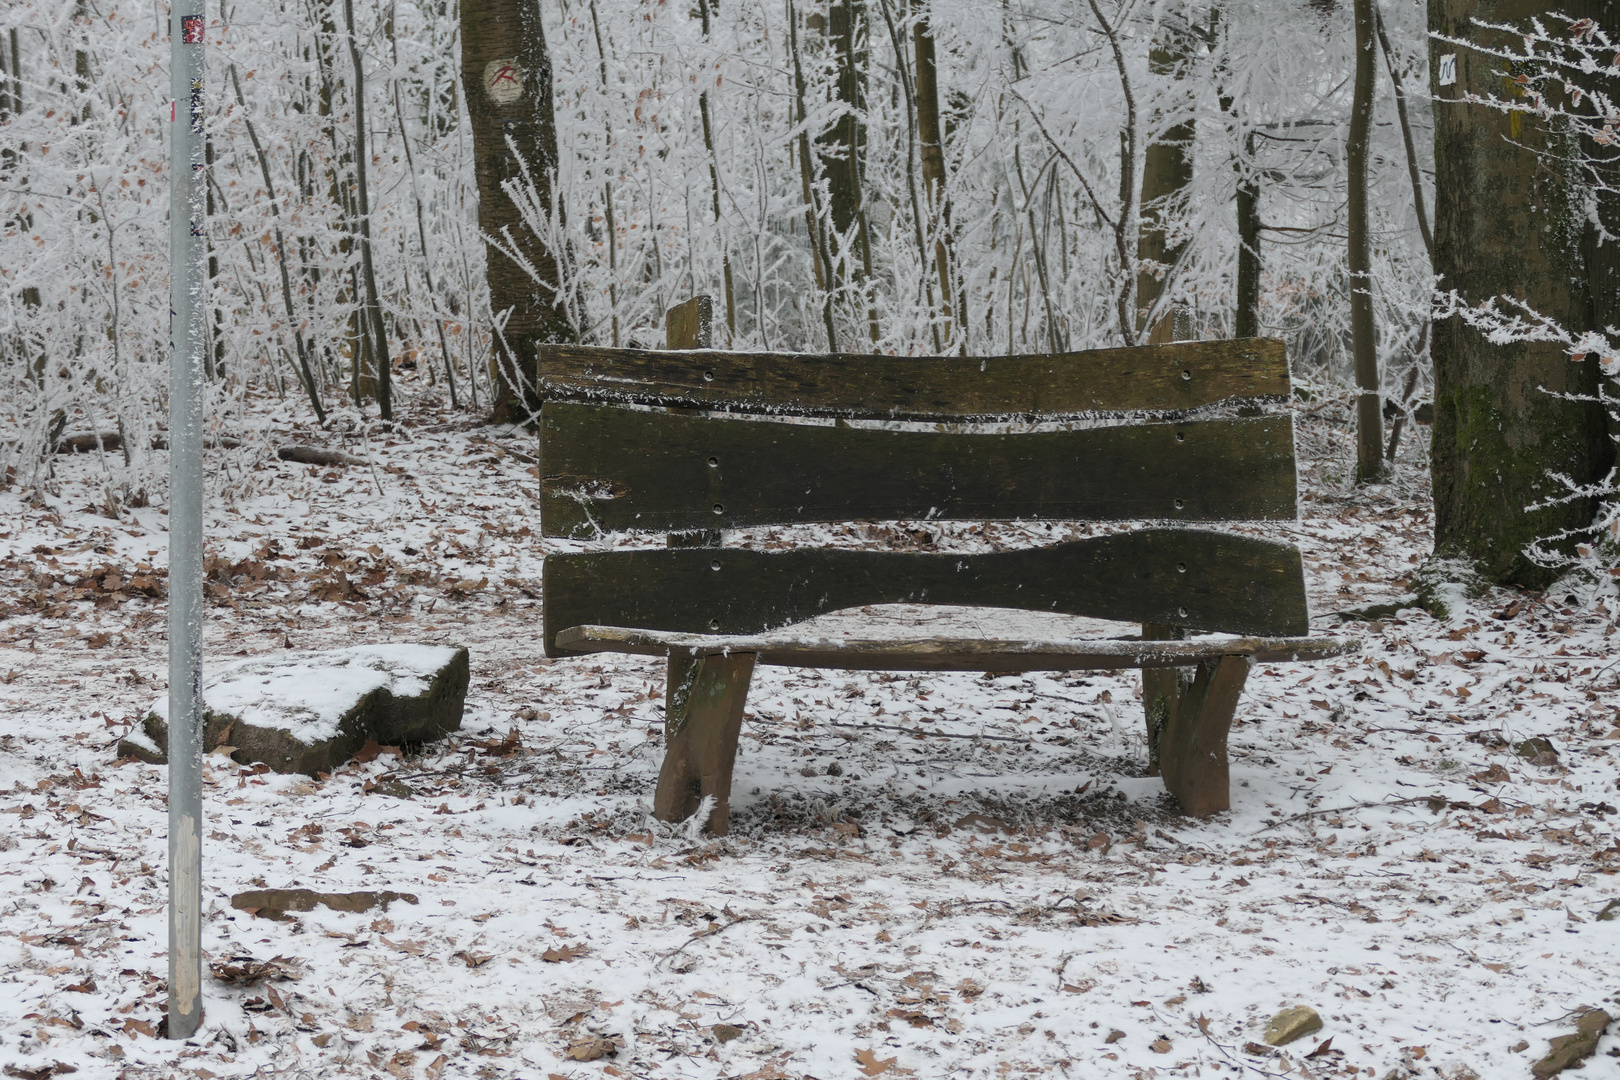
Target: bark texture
point(1509, 224)
point(1167, 170)
point(1363, 331)
point(506, 72)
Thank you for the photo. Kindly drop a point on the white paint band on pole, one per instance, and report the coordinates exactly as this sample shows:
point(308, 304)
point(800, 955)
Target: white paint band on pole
point(187, 303)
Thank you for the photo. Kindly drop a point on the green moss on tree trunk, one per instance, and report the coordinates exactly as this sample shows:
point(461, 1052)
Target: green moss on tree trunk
point(1507, 223)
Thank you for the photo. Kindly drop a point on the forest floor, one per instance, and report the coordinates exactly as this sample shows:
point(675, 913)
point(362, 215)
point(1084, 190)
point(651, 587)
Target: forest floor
point(955, 875)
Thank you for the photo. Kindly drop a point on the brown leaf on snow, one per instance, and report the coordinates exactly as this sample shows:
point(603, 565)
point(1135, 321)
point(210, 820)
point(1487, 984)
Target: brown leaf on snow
point(44, 1072)
point(1496, 774)
point(472, 959)
point(871, 1065)
point(1161, 1045)
point(247, 971)
point(564, 954)
point(592, 1049)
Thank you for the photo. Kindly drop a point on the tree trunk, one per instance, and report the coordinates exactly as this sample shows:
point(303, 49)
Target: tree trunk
point(1167, 171)
point(843, 148)
point(506, 73)
point(1509, 224)
point(372, 322)
point(930, 134)
point(1363, 334)
point(1248, 260)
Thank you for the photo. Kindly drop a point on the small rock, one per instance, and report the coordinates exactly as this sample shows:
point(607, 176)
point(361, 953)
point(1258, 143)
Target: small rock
point(1569, 1051)
point(1610, 912)
point(1114, 1036)
point(310, 712)
point(1537, 751)
point(835, 769)
point(396, 788)
point(724, 1033)
point(1519, 1047)
point(1291, 1024)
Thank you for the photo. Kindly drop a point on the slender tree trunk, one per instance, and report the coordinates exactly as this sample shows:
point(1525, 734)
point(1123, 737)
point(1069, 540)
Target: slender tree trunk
point(1248, 263)
point(1167, 171)
point(1412, 171)
point(813, 215)
point(907, 84)
point(373, 305)
point(305, 374)
point(843, 148)
point(930, 133)
point(607, 188)
point(1364, 344)
point(506, 74)
point(427, 259)
point(1506, 223)
point(714, 180)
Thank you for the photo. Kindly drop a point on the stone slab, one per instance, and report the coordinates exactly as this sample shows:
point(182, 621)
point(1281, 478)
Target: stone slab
point(308, 712)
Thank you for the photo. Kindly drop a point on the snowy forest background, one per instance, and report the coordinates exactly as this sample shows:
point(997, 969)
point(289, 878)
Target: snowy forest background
point(1047, 132)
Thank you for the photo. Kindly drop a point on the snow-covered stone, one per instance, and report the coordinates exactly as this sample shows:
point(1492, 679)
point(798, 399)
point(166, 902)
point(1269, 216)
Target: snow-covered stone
point(309, 712)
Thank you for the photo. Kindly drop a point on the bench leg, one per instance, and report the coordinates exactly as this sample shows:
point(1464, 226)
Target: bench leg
point(703, 708)
point(1191, 751)
point(1161, 688)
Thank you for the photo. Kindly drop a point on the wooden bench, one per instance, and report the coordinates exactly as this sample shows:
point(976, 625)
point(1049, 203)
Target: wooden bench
point(694, 442)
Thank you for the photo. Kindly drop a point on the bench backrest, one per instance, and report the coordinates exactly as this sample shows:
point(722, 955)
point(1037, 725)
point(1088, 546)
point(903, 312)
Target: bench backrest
point(671, 441)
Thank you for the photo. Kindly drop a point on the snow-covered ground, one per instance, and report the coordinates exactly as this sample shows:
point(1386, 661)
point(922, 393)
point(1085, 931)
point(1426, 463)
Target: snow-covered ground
point(945, 875)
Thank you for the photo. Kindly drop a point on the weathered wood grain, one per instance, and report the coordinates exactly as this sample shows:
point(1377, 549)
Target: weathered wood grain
point(703, 710)
point(688, 325)
point(951, 654)
point(1192, 746)
point(1184, 375)
point(1183, 577)
point(607, 469)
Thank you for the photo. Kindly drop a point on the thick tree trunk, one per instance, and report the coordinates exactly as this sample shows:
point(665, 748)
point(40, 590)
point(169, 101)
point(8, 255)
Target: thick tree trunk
point(1508, 224)
point(506, 72)
point(1363, 333)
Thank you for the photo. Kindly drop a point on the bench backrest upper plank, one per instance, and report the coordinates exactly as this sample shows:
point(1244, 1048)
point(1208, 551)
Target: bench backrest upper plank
point(1190, 578)
point(609, 469)
point(1168, 378)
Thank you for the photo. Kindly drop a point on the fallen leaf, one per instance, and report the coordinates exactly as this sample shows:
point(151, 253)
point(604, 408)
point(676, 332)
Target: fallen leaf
point(564, 954)
point(472, 959)
point(593, 1048)
point(1325, 1047)
point(1161, 1045)
point(871, 1065)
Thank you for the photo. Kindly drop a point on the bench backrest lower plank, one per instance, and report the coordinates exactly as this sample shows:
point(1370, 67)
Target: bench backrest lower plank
point(1156, 378)
point(1192, 578)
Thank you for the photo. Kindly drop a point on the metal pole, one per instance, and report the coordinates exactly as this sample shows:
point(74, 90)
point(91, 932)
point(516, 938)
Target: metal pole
point(187, 304)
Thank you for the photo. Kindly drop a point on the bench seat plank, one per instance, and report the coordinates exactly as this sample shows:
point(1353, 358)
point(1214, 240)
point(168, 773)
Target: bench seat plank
point(1187, 578)
point(607, 469)
point(929, 653)
point(1175, 377)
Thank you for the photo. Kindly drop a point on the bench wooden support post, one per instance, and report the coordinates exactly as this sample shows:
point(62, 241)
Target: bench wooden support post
point(1160, 689)
point(703, 709)
point(1191, 745)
